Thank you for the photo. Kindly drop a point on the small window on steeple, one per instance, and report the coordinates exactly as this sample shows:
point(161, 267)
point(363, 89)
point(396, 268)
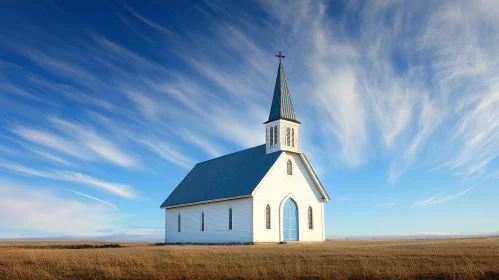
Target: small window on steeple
point(271, 137)
point(290, 167)
point(288, 132)
point(293, 137)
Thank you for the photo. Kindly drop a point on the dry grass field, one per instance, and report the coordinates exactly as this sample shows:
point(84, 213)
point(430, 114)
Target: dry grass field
point(377, 259)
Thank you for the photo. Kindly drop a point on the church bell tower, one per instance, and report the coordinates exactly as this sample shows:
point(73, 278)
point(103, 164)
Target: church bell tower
point(282, 128)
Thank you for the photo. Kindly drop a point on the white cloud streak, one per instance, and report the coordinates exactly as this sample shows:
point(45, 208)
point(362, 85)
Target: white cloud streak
point(91, 140)
point(167, 152)
point(94, 198)
point(387, 204)
point(121, 190)
point(38, 208)
point(80, 142)
point(49, 140)
point(50, 156)
point(440, 199)
point(148, 21)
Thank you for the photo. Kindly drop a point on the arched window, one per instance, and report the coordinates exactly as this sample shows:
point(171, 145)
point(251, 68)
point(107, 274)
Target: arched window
point(267, 217)
point(288, 142)
point(310, 218)
point(276, 136)
point(202, 221)
point(178, 220)
point(271, 136)
point(290, 167)
point(293, 137)
point(230, 218)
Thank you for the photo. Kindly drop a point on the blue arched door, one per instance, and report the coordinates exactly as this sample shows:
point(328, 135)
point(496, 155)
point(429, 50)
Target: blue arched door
point(290, 221)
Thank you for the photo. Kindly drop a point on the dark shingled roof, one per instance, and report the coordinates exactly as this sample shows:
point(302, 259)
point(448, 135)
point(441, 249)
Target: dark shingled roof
point(281, 107)
point(232, 175)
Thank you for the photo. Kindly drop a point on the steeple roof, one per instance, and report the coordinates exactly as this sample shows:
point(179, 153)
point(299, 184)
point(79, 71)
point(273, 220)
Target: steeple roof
point(281, 108)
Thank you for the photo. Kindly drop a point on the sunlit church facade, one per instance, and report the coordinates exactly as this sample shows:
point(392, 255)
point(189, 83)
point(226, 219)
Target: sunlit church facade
point(268, 193)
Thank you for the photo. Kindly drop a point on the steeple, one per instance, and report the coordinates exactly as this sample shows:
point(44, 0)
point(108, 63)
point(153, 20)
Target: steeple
point(282, 128)
point(282, 107)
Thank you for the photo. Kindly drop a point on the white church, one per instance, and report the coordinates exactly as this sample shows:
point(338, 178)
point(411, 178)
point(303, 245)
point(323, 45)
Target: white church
point(268, 193)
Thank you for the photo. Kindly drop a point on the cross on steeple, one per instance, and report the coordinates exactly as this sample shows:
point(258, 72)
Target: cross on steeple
point(280, 56)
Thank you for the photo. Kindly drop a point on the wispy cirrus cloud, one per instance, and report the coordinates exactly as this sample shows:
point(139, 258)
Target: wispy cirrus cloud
point(76, 73)
point(42, 209)
point(49, 156)
point(387, 204)
point(96, 143)
point(122, 190)
point(167, 152)
point(94, 198)
point(149, 22)
point(440, 199)
point(49, 140)
point(209, 147)
point(78, 141)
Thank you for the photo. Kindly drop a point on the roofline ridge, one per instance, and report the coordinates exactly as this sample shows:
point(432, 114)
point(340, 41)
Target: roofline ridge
point(229, 154)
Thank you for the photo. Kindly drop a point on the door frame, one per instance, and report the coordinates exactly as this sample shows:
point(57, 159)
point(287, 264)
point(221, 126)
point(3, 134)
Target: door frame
point(281, 217)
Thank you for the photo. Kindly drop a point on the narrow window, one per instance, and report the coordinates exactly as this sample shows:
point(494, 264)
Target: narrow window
point(293, 137)
point(310, 219)
point(230, 218)
point(271, 136)
point(178, 222)
point(290, 167)
point(275, 135)
point(267, 216)
point(288, 143)
point(267, 136)
point(202, 221)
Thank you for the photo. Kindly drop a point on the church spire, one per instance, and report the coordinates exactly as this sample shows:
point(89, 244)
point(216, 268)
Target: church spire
point(281, 107)
point(282, 128)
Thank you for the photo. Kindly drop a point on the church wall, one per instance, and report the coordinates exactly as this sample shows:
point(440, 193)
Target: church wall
point(275, 188)
point(216, 222)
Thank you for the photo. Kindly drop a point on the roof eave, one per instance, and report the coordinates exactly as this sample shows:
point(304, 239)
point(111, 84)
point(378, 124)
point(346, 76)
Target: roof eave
point(206, 201)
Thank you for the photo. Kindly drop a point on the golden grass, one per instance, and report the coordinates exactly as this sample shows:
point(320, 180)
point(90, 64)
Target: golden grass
point(374, 259)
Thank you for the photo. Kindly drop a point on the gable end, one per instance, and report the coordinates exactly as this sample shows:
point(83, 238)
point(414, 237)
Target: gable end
point(315, 178)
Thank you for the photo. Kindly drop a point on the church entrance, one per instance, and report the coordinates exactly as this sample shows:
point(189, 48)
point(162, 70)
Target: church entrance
point(290, 221)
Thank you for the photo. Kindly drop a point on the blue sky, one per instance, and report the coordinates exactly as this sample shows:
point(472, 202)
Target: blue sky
point(105, 107)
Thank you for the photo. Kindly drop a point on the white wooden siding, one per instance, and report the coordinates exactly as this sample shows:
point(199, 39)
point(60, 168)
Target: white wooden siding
point(216, 222)
point(275, 188)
